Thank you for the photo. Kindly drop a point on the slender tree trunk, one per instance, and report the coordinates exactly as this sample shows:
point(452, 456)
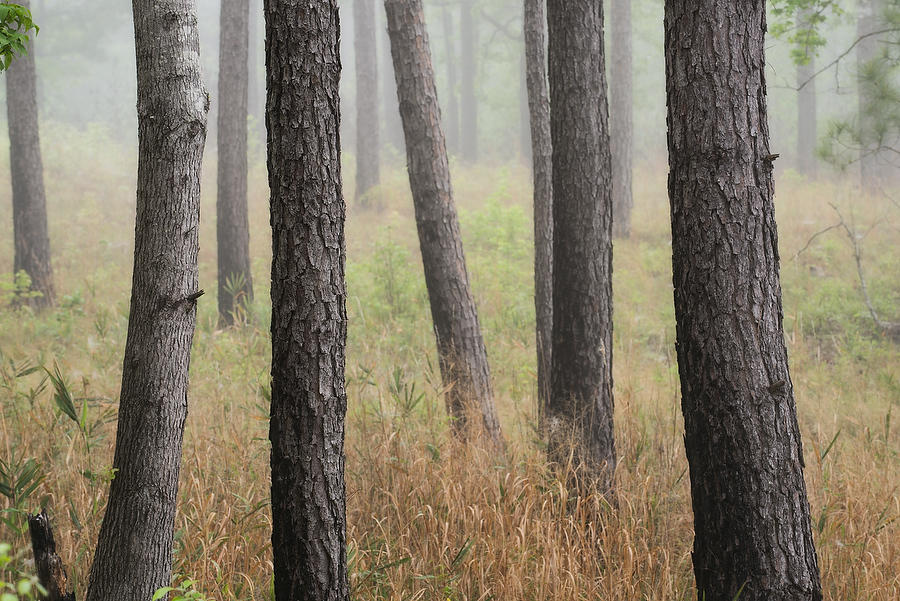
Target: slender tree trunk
point(452, 91)
point(232, 222)
point(31, 240)
point(869, 19)
point(367, 146)
point(393, 129)
point(751, 516)
point(580, 408)
point(621, 123)
point(468, 29)
point(461, 350)
point(134, 553)
point(542, 173)
point(309, 317)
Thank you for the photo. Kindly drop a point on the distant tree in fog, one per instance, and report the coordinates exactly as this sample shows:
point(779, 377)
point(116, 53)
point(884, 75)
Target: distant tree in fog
point(232, 222)
point(367, 123)
point(31, 239)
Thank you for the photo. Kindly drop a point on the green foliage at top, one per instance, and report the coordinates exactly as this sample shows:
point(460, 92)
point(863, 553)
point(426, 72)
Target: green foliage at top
point(799, 22)
point(15, 24)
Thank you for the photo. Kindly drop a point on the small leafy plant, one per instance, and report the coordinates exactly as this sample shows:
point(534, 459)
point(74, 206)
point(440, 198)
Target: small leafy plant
point(15, 24)
point(185, 591)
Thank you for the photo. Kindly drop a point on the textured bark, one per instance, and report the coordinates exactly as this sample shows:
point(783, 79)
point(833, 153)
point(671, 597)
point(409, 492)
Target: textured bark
point(621, 124)
point(580, 411)
point(751, 515)
point(469, 110)
point(309, 317)
point(869, 19)
point(367, 125)
point(542, 174)
point(461, 350)
point(134, 553)
point(49, 567)
point(452, 113)
point(232, 222)
point(31, 240)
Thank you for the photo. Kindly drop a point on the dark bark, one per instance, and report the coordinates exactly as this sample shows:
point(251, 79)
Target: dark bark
point(542, 174)
point(580, 409)
point(232, 221)
point(621, 124)
point(461, 350)
point(751, 515)
point(452, 112)
point(50, 570)
point(31, 240)
point(309, 317)
point(468, 27)
point(134, 553)
point(367, 125)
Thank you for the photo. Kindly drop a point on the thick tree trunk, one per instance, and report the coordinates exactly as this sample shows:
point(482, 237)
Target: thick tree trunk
point(309, 317)
point(452, 120)
point(134, 553)
point(232, 222)
point(751, 515)
point(580, 411)
point(542, 174)
point(31, 240)
point(468, 26)
point(461, 350)
point(367, 125)
point(869, 19)
point(621, 123)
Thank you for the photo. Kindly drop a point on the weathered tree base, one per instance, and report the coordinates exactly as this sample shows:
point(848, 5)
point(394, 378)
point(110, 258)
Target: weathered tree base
point(50, 569)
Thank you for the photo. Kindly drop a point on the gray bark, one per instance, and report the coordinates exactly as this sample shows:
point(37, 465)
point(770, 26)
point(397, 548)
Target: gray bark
point(134, 553)
point(367, 125)
point(468, 26)
point(751, 515)
point(461, 350)
point(542, 177)
point(309, 316)
point(29, 201)
point(580, 409)
point(232, 221)
point(621, 119)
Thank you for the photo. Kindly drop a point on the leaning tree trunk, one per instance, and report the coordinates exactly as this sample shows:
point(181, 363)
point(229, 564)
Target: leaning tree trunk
point(134, 553)
point(31, 241)
point(461, 350)
point(580, 409)
point(452, 93)
point(367, 125)
point(542, 174)
point(232, 222)
point(621, 125)
point(469, 122)
point(751, 516)
point(309, 316)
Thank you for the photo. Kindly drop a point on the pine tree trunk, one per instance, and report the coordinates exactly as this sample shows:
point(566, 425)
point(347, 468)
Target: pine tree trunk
point(134, 553)
point(309, 317)
point(542, 173)
point(461, 350)
point(31, 240)
point(621, 124)
point(452, 92)
point(469, 110)
point(232, 221)
point(751, 515)
point(367, 125)
point(580, 411)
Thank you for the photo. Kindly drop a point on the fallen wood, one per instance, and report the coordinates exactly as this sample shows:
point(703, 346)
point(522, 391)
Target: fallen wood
point(50, 569)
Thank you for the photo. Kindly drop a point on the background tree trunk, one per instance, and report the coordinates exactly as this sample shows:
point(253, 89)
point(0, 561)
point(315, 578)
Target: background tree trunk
point(309, 317)
point(580, 411)
point(31, 240)
point(367, 125)
point(542, 159)
point(468, 27)
point(621, 122)
point(232, 222)
point(461, 350)
point(751, 515)
point(452, 121)
point(134, 553)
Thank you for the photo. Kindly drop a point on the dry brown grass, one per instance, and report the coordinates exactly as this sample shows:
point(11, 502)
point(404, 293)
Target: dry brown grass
point(429, 519)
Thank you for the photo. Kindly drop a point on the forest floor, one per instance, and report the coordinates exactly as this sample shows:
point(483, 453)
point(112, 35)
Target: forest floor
point(428, 518)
